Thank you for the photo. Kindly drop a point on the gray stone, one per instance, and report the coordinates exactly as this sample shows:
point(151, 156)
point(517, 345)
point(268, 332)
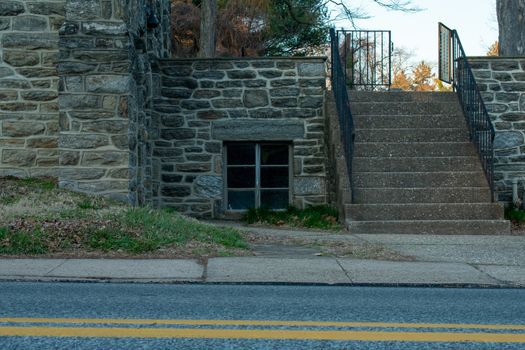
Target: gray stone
point(504, 65)
point(509, 87)
point(308, 185)
point(213, 75)
point(112, 158)
point(18, 157)
point(263, 64)
point(180, 82)
point(72, 173)
point(513, 117)
point(31, 41)
point(167, 152)
point(114, 84)
point(104, 28)
point(101, 55)
point(241, 74)
point(265, 113)
point(255, 98)
point(265, 130)
point(18, 107)
point(171, 178)
point(284, 102)
point(232, 93)
point(6, 72)
point(22, 128)
point(212, 114)
point(213, 147)
point(522, 102)
point(255, 83)
point(78, 102)
point(47, 8)
point(175, 191)
point(227, 103)
point(284, 92)
point(208, 186)
point(177, 134)
point(507, 96)
point(5, 23)
point(29, 23)
point(172, 121)
point(8, 95)
point(36, 95)
point(508, 139)
point(311, 102)
point(271, 74)
point(229, 84)
point(194, 167)
point(83, 9)
point(42, 142)
point(11, 8)
point(81, 141)
point(311, 69)
point(192, 105)
point(37, 72)
point(75, 67)
point(106, 126)
point(206, 94)
point(283, 82)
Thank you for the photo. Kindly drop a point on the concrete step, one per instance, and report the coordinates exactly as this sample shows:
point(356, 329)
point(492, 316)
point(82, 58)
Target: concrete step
point(408, 121)
point(424, 211)
point(404, 108)
point(411, 135)
point(422, 195)
point(416, 164)
point(402, 96)
point(419, 180)
point(420, 149)
point(437, 227)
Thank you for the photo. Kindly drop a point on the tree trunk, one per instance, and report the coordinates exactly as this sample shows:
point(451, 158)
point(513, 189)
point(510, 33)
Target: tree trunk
point(208, 25)
point(511, 22)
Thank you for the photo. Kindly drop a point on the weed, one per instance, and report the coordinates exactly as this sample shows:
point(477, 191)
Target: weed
point(514, 214)
point(318, 216)
point(21, 242)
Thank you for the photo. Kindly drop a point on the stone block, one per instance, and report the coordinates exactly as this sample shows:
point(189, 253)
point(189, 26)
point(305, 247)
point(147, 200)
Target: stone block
point(42, 142)
point(167, 152)
point(83, 9)
point(308, 185)
point(36, 95)
point(180, 82)
point(11, 8)
point(195, 104)
point(104, 28)
point(5, 23)
point(193, 167)
point(71, 173)
point(255, 98)
point(206, 94)
point(108, 158)
point(263, 64)
point(208, 186)
point(106, 126)
point(311, 102)
point(311, 69)
point(177, 134)
point(508, 139)
point(510, 87)
point(37, 72)
point(172, 121)
point(265, 130)
point(8, 96)
point(21, 58)
point(175, 191)
point(30, 23)
point(229, 84)
point(111, 84)
point(69, 157)
point(265, 113)
point(75, 67)
point(18, 107)
point(284, 92)
point(284, 102)
point(499, 65)
point(212, 75)
point(171, 178)
point(227, 103)
point(14, 84)
point(256, 83)
point(283, 82)
point(270, 74)
point(103, 186)
point(6, 72)
point(212, 114)
point(82, 141)
point(18, 157)
point(78, 102)
point(241, 74)
point(101, 55)
point(30, 41)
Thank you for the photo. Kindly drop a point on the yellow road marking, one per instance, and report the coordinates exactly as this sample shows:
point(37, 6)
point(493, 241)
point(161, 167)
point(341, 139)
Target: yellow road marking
point(260, 323)
point(260, 334)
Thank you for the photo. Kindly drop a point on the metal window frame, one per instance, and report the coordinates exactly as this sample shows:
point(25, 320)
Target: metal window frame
point(257, 165)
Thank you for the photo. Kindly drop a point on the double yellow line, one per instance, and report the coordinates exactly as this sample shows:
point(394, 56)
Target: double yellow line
point(430, 333)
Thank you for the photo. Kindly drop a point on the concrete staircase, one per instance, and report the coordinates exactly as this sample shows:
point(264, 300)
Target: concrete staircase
point(415, 170)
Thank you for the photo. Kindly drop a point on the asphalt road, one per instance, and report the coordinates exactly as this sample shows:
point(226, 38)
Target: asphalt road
point(156, 316)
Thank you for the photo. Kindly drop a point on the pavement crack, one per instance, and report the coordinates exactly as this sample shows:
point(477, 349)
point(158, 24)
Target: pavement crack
point(501, 282)
point(56, 267)
point(345, 272)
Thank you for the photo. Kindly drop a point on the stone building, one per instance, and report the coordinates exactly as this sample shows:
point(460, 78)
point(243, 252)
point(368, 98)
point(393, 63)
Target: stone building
point(88, 95)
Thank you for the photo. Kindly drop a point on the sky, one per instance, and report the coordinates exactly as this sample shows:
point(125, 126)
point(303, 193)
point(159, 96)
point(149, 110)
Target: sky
point(474, 20)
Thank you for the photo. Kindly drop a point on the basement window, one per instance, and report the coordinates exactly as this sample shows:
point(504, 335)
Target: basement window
point(257, 175)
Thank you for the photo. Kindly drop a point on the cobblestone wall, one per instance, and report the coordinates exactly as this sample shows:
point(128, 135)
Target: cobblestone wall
point(207, 102)
point(104, 93)
point(29, 87)
point(501, 81)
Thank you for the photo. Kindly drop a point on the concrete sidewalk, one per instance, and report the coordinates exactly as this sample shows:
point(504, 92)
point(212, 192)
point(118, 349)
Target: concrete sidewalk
point(439, 260)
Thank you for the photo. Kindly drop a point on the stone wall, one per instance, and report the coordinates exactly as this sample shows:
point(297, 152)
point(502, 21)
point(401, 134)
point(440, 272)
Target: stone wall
point(207, 102)
point(29, 87)
point(105, 78)
point(501, 81)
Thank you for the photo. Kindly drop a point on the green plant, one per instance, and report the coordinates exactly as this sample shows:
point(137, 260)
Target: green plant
point(315, 216)
point(22, 242)
point(514, 214)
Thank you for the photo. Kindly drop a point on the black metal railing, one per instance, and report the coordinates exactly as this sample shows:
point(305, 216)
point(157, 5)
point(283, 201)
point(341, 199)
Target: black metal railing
point(455, 66)
point(366, 58)
point(339, 88)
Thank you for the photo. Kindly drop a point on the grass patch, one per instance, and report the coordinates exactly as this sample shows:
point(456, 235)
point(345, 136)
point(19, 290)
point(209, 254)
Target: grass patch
point(318, 216)
point(47, 220)
point(514, 214)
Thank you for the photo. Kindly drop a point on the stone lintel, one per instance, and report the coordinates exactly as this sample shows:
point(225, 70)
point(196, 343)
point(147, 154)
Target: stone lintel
point(257, 130)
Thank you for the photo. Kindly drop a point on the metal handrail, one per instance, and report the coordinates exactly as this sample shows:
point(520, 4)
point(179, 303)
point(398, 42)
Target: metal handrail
point(481, 130)
point(340, 91)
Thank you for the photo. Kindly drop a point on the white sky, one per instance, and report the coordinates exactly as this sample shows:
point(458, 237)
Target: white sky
point(475, 21)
